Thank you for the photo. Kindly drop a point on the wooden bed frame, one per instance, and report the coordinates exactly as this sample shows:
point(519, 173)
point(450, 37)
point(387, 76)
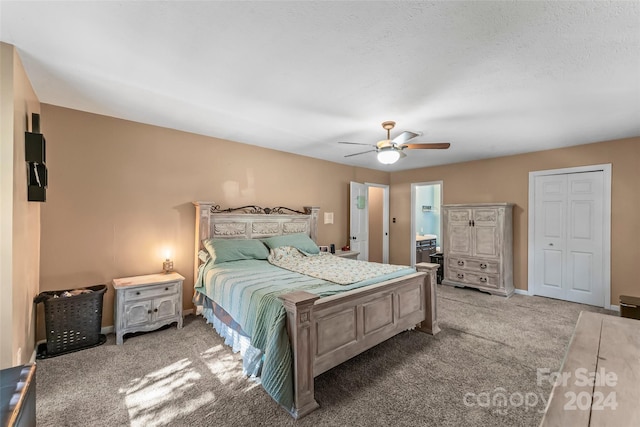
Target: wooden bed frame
point(324, 332)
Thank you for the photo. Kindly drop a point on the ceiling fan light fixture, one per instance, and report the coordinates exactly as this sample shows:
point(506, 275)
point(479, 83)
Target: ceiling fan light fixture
point(391, 150)
point(388, 157)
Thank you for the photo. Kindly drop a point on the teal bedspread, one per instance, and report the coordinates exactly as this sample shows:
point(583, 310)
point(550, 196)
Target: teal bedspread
point(248, 290)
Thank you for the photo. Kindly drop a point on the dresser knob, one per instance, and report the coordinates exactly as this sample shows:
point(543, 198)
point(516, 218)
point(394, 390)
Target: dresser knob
point(166, 289)
point(460, 276)
point(155, 310)
point(483, 280)
point(138, 293)
point(148, 311)
point(483, 265)
point(460, 263)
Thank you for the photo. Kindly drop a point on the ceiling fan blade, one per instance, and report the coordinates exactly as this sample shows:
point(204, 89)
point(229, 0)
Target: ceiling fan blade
point(355, 143)
point(428, 146)
point(402, 154)
point(357, 154)
point(404, 137)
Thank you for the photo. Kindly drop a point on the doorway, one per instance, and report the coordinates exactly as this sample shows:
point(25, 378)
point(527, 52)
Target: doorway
point(426, 220)
point(369, 221)
point(569, 234)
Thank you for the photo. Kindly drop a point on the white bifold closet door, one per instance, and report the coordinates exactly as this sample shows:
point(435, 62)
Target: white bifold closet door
point(568, 246)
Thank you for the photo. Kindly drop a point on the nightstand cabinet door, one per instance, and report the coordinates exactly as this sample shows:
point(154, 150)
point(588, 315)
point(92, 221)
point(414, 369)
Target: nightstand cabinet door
point(137, 313)
point(165, 308)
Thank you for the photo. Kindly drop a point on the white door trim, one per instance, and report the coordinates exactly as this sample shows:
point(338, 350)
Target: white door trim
point(359, 220)
point(385, 219)
point(412, 251)
point(606, 225)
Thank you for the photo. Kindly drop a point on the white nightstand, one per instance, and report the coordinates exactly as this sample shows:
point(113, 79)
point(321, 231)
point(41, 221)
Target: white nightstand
point(145, 303)
point(347, 254)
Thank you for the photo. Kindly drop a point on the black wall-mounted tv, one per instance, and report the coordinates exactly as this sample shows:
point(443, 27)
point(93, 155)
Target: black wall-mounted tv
point(35, 150)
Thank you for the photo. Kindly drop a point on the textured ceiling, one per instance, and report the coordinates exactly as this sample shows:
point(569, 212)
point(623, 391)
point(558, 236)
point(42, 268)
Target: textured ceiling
point(492, 78)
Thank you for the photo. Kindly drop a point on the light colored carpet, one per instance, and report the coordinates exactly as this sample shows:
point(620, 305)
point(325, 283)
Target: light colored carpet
point(489, 347)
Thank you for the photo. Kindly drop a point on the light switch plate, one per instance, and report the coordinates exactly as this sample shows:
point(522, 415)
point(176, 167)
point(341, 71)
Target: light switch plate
point(328, 217)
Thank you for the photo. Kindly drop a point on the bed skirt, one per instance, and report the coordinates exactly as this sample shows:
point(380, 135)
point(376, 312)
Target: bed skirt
point(233, 335)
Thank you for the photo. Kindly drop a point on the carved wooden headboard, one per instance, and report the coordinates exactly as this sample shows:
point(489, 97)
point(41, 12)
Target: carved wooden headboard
point(251, 222)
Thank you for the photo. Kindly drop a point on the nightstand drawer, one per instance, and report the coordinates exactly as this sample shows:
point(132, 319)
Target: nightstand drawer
point(146, 292)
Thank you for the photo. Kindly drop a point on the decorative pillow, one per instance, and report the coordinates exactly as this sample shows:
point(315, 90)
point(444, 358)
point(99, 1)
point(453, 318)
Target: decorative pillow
point(299, 240)
point(223, 250)
point(284, 252)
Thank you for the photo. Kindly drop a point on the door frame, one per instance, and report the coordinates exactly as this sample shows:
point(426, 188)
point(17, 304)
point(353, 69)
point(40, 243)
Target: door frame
point(606, 225)
point(412, 240)
point(385, 218)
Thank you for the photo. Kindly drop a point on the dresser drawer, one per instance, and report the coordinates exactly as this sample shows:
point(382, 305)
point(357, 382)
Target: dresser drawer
point(473, 278)
point(490, 267)
point(146, 292)
point(487, 280)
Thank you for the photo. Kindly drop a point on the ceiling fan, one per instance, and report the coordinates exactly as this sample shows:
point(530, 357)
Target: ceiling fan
point(390, 150)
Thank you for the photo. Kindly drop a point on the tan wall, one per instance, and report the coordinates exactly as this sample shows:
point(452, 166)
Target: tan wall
point(506, 179)
point(375, 206)
point(120, 192)
point(20, 229)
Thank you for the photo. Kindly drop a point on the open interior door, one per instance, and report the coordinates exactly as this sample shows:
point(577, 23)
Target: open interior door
point(359, 220)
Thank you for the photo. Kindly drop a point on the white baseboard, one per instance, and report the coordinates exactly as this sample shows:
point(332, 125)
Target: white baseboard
point(33, 356)
point(523, 292)
point(35, 350)
point(106, 330)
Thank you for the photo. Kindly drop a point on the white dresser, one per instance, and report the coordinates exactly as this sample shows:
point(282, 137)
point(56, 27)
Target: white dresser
point(145, 303)
point(478, 246)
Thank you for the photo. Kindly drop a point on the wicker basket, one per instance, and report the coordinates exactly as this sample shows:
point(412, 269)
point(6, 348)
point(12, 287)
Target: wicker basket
point(72, 322)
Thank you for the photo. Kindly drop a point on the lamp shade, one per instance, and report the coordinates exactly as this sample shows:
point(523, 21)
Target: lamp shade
point(388, 156)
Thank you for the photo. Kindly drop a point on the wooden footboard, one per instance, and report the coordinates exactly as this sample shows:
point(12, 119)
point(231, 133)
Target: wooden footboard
point(326, 332)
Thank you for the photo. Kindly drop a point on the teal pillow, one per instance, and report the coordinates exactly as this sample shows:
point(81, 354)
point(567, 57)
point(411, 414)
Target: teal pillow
point(223, 250)
point(299, 241)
